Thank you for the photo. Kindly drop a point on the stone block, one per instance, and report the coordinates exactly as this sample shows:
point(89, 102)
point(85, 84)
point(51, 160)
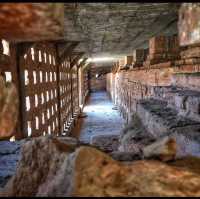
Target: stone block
point(88, 172)
point(192, 52)
point(164, 149)
point(187, 103)
point(158, 45)
point(187, 80)
point(134, 136)
point(193, 104)
point(178, 145)
point(161, 120)
point(163, 48)
point(188, 24)
point(139, 55)
point(106, 143)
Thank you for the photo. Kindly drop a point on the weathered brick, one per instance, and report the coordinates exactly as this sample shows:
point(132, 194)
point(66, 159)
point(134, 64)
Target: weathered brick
point(162, 48)
point(139, 55)
point(188, 24)
point(157, 44)
point(190, 53)
point(187, 80)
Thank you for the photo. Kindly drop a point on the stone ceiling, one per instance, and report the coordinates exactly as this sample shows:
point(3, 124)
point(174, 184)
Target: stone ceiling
point(116, 29)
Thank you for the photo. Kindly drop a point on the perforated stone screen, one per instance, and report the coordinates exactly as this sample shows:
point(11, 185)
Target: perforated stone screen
point(39, 79)
point(85, 84)
point(75, 95)
point(65, 94)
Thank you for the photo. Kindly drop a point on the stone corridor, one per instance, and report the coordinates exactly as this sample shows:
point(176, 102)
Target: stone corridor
point(99, 99)
point(102, 118)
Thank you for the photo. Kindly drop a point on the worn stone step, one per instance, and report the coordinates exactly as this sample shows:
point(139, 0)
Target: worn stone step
point(159, 119)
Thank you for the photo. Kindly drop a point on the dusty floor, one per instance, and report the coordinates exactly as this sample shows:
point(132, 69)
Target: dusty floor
point(101, 118)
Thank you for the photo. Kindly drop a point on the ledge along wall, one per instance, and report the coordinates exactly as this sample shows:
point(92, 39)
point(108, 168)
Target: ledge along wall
point(172, 62)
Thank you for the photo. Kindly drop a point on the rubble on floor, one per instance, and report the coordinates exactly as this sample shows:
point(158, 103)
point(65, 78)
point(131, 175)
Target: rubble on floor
point(107, 143)
point(164, 149)
point(161, 134)
point(134, 136)
point(51, 167)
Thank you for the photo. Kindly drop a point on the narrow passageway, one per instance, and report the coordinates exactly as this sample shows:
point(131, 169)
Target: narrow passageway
point(101, 118)
point(100, 99)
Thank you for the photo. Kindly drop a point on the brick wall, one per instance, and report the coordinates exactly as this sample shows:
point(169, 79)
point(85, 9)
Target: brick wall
point(125, 88)
point(97, 78)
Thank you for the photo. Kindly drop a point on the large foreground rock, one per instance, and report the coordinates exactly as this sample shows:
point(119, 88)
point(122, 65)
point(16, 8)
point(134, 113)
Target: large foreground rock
point(50, 167)
point(41, 162)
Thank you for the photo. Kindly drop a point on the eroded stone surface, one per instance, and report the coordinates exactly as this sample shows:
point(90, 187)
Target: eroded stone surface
point(188, 23)
point(187, 80)
point(31, 22)
point(90, 172)
point(156, 130)
point(134, 136)
point(8, 108)
point(10, 153)
point(41, 162)
point(126, 156)
point(142, 178)
point(106, 143)
point(160, 119)
point(165, 149)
